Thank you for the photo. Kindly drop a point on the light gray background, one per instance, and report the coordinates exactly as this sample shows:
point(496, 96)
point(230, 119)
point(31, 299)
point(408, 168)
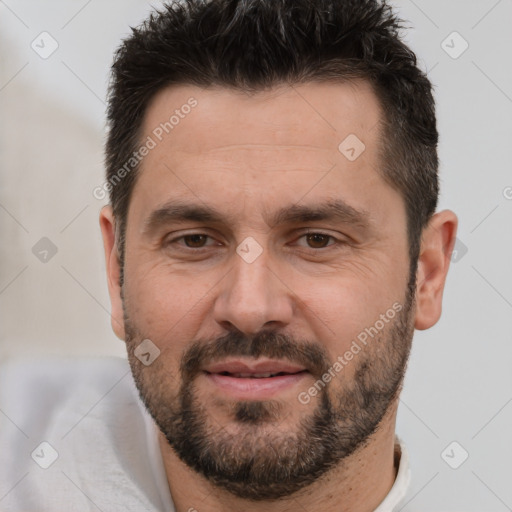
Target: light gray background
point(459, 383)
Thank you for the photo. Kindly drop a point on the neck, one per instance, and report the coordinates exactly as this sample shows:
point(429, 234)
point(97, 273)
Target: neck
point(358, 484)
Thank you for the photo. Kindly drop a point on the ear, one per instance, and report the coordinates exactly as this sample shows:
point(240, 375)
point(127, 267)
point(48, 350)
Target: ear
point(437, 242)
point(108, 231)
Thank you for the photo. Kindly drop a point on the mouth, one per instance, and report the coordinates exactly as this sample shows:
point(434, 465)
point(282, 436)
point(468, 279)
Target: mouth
point(256, 375)
point(258, 380)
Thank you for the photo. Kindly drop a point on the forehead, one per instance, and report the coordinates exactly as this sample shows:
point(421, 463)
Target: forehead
point(238, 151)
point(312, 115)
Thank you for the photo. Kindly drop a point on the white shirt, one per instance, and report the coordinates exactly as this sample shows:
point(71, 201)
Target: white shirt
point(75, 436)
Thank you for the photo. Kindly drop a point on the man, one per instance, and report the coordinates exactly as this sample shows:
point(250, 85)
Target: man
point(271, 245)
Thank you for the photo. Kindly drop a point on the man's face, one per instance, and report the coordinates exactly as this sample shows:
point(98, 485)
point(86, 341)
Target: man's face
point(265, 286)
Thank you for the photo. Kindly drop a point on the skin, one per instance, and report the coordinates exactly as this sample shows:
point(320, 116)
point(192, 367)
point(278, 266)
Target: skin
point(248, 156)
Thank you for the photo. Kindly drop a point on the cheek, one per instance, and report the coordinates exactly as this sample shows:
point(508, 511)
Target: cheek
point(340, 308)
point(162, 302)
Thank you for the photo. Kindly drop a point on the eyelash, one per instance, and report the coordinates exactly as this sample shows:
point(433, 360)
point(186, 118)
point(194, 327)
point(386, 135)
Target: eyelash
point(312, 249)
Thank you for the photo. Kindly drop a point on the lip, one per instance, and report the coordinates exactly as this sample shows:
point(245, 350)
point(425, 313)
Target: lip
point(251, 388)
point(259, 366)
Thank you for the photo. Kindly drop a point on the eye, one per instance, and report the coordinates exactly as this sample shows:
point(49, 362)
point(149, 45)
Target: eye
point(195, 240)
point(318, 240)
point(191, 241)
point(314, 241)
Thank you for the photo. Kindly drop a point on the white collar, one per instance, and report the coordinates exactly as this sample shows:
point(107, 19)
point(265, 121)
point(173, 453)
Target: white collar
point(403, 478)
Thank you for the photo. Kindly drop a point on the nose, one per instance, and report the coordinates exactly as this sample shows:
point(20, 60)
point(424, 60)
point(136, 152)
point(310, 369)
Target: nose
point(253, 297)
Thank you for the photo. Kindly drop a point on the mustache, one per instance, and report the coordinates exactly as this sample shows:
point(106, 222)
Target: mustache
point(270, 344)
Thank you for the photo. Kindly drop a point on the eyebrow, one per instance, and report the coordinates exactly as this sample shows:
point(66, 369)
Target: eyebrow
point(335, 210)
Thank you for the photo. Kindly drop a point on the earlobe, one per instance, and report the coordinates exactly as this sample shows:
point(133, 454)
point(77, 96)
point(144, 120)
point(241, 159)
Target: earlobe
point(437, 242)
point(112, 264)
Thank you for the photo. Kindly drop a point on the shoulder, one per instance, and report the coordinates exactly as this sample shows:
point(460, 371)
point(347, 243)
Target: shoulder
point(33, 391)
point(67, 424)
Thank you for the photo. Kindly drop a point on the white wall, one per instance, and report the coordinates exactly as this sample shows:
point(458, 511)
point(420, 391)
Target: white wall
point(459, 383)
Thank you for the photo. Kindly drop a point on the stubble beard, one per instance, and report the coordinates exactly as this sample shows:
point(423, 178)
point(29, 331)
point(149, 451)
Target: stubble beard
point(257, 458)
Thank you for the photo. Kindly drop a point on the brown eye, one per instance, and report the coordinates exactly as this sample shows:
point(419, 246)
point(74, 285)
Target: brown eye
point(195, 241)
point(317, 240)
